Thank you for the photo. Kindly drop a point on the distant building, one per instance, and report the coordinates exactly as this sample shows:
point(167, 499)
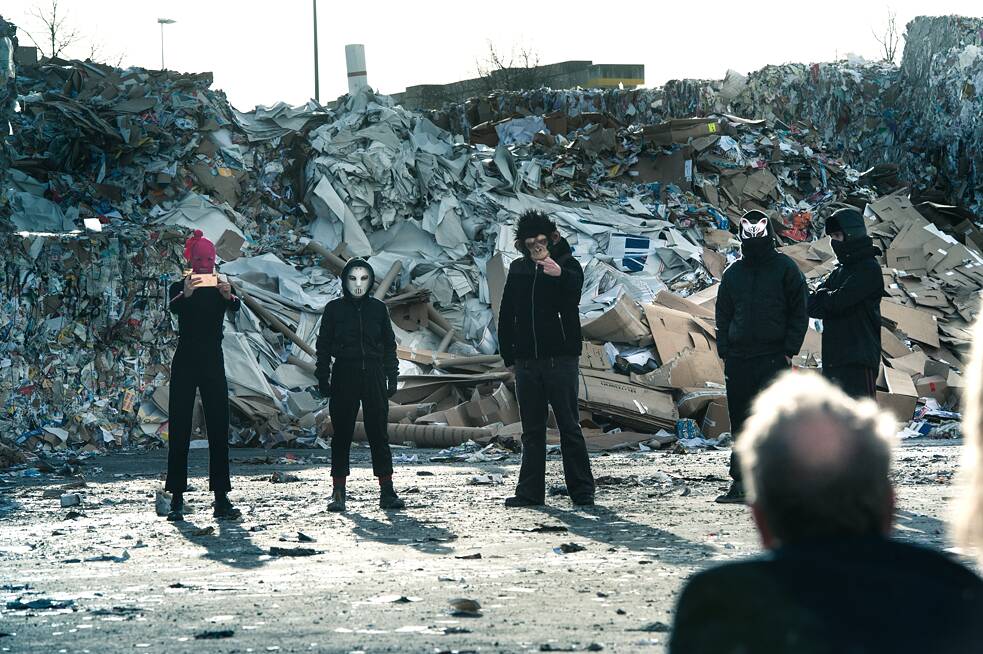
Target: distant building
point(564, 75)
point(26, 55)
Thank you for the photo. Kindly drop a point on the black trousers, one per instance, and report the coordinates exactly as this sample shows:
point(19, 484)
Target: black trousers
point(856, 381)
point(203, 372)
point(539, 384)
point(745, 379)
point(352, 386)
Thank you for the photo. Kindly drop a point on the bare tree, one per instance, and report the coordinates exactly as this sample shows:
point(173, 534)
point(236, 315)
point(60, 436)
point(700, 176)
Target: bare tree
point(58, 35)
point(97, 53)
point(515, 72)
point(889, 42)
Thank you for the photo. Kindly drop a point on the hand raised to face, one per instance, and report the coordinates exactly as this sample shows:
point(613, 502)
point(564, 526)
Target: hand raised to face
point(550, 267)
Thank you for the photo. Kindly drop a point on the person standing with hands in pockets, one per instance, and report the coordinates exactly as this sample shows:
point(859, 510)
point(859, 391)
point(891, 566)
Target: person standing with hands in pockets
point(200, 302)
point(540, 341)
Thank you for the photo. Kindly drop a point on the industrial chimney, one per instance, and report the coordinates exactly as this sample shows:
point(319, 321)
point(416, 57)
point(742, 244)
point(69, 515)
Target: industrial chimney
point(357, 76)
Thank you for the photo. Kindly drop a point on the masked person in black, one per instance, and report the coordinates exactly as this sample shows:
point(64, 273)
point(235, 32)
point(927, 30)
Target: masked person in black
point(357, 334)
point(539, 338)
point(200, 302)
point(849, 304)
point(761, 323)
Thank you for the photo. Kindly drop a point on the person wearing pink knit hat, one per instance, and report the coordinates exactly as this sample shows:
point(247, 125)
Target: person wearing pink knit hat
point(200, 302)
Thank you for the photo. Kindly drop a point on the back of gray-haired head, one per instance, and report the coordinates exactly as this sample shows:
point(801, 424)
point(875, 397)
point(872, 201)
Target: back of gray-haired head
point(816, 462)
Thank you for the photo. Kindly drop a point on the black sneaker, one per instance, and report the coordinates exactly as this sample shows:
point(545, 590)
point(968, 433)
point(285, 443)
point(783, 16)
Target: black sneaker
point(583, 501)
point(389, 500)
point(734, 495)
point(337, 502)
point(518, 501)
point(176, 514)
point(225, 511)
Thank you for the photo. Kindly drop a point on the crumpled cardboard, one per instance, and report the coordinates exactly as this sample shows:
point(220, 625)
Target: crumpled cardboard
point(634, 405)
point(621, 323)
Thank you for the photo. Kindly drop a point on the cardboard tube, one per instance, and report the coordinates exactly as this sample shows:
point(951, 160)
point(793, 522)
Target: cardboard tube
point(332, 261)
point(446, 341)
point(275, 322)
point(435, 316)
point(388, 280)
point(397, 413)
point(438, 436)
point(300, 363)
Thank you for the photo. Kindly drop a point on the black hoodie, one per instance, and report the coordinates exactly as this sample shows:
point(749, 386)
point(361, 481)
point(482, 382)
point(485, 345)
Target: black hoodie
point(761, 303)
point(849, 301)
point(356, 332)
point(539, 316)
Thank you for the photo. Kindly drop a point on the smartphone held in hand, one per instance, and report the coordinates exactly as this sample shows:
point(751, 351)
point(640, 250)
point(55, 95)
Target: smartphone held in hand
point(204, 280)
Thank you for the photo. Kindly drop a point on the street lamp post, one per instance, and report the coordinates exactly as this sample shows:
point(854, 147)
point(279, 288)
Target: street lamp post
point(317, 85)
point(163, 21)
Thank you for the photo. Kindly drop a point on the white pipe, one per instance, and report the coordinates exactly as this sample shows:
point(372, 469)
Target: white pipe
point(358, 78)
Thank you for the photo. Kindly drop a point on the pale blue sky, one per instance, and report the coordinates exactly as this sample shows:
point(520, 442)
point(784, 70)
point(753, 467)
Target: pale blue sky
point(262, 52)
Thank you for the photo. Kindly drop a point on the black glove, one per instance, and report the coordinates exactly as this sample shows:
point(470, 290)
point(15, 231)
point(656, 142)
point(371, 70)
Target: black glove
point(390, 386)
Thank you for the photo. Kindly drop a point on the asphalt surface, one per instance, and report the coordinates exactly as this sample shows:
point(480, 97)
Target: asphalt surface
point(111, 576)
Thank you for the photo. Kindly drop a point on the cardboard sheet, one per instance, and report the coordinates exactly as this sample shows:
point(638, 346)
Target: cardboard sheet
point(916, 324)
point(687, 370)
point(673, 331)
point(634, 405)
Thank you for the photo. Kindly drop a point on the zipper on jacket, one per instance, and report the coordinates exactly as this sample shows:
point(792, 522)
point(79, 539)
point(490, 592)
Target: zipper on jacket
point(361, 334)
point(563, 332)
point(535, 342)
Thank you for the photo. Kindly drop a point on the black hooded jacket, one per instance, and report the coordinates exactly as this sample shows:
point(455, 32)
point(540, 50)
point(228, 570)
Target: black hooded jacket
point(849, 304)
point(356, 331)
point(540, 315)
point(761, 304)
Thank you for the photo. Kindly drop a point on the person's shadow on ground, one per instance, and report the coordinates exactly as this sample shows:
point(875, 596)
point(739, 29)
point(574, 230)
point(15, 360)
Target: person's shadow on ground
point(229, 544)
point(402, 529)
point(602, 524)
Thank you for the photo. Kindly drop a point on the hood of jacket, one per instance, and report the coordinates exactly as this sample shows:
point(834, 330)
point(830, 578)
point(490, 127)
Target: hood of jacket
point(356, 263)
point(855, 249)
point(849, 221)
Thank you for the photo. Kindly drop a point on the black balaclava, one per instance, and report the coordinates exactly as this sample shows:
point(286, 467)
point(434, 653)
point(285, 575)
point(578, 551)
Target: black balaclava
point(756, 236)
point(361, 286)
point(851, 223)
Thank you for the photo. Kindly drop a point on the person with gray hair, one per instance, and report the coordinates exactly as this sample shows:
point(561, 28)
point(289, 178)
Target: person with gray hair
point(816, 466)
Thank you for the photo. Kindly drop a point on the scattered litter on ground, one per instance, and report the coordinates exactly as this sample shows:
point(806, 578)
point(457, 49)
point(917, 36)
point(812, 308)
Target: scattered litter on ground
point(293, 551)
point(462, 607)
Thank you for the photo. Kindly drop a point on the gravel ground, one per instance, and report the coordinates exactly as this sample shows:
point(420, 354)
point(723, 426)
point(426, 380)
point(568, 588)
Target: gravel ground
point(558, 578)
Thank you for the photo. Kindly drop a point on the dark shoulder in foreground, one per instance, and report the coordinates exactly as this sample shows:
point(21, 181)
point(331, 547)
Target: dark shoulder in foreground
point(731, 267)
point(517, 264)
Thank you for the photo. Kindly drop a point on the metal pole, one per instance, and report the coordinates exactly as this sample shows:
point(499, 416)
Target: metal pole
point(317, 83)
point(162, 46)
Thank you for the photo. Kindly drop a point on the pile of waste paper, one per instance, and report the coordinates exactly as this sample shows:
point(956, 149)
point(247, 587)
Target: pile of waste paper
point(918, 122)
point(111, 169)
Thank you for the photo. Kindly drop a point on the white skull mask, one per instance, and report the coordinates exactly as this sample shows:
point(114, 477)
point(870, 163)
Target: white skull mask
point(357, 281)
point(753, 230)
